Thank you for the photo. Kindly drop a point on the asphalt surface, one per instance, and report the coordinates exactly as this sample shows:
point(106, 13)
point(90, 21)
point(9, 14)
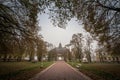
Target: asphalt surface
point(60, 71)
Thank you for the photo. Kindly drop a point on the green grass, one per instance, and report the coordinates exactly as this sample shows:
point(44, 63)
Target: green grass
point(21, 70)
point(100, 71)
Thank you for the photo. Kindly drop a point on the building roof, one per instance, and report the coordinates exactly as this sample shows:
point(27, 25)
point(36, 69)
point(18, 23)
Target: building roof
point(60, 49)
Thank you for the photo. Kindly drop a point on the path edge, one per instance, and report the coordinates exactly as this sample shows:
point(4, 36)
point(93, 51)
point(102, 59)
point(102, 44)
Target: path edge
point(78, 72)
point(43, 71)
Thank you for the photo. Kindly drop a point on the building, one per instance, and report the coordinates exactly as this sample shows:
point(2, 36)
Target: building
point(59, 53)
point(104, 57)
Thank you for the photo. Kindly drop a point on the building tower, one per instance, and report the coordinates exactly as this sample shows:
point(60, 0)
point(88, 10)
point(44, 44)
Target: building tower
point(60, 45)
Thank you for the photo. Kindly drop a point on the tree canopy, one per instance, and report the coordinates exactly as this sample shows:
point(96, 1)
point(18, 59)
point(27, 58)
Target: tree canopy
point(19, 25)
point(101, 18)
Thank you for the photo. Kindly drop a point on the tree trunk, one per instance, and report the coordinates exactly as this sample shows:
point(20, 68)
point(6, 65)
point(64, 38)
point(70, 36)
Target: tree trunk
point(40, 58)
point(31, 58)
point(5, 58)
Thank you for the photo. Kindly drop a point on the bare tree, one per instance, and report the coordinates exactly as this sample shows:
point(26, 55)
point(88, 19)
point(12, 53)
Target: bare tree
point(77, 43)
point(87, 48)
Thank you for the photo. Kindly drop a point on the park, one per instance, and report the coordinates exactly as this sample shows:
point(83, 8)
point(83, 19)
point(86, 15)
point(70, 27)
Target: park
point(59, 40)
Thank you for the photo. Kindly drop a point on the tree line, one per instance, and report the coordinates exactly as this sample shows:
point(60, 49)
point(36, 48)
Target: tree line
point(101, 18)
point(19, 25)
point(81, 48)
point(19, 29)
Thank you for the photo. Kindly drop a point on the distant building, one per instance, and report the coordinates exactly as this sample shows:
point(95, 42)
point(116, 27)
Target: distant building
point(59, 53)
point(105, 57)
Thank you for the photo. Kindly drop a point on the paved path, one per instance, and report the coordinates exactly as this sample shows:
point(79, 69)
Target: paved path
point(60, 71)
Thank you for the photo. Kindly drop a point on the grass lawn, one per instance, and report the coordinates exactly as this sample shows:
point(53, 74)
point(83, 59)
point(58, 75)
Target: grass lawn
point(99, 71)
point(21, 70)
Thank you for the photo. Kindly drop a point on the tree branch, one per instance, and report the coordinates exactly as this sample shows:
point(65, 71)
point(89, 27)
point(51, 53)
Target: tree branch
point(110, 8)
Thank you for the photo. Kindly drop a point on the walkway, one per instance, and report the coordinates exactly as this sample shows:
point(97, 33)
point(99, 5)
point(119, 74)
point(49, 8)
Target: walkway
point(60, 71)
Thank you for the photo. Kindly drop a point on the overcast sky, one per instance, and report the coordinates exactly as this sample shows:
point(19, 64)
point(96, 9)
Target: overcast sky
point(56, 35)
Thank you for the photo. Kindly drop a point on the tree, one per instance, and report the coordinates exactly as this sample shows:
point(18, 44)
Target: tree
point(18, 21)
point(40, 51)
point(68, 52)
point(77, 43)
point(87, 49)
point(99, 17)
point(52, 55)
point(99, 53)
point(18, 27)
